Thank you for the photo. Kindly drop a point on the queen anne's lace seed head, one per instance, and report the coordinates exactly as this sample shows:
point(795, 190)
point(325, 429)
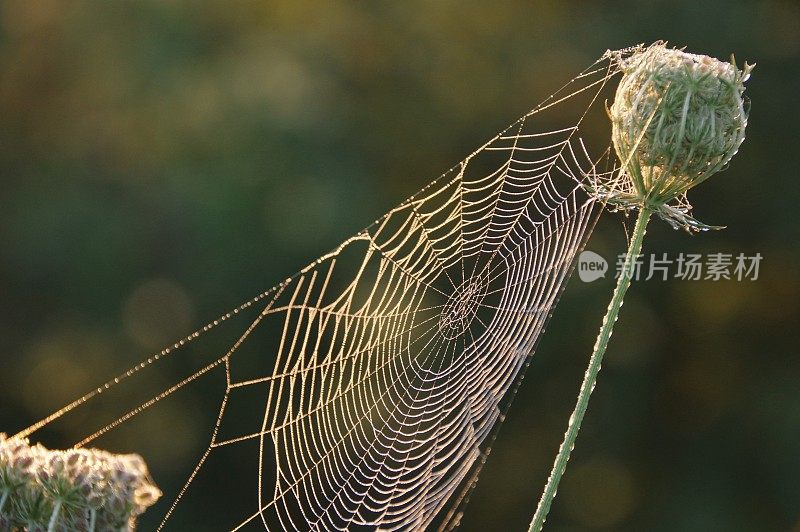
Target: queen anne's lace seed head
point(83, 488)
point(677, 119)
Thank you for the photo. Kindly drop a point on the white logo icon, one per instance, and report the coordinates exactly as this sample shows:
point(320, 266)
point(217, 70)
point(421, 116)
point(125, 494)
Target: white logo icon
point(591, 266)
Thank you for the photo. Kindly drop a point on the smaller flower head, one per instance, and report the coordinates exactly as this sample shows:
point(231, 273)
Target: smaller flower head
point(71, 488)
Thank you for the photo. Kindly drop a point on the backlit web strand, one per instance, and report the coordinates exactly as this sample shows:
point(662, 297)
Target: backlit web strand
point(401, 349)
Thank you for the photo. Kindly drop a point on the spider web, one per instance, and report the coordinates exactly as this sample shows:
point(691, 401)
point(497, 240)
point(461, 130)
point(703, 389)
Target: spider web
point(400, 351)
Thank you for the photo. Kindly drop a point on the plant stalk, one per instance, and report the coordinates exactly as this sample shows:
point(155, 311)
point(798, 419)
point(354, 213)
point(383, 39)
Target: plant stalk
point(54, 517)
point(590, 377)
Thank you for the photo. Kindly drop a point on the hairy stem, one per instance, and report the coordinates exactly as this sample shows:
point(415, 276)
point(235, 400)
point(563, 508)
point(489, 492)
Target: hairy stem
point(590, 378)
point(3, 499)
point(54, 517)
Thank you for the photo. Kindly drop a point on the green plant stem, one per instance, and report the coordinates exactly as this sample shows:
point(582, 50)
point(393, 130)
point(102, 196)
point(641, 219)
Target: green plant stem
point(54, 517)
point(590, 378)
point(3, 499)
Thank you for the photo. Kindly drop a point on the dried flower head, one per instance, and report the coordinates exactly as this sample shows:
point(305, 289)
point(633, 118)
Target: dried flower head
point(677, 119)
point(77, 489)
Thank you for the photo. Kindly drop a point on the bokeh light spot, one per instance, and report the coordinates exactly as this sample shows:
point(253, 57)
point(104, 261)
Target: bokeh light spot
point(157, 313)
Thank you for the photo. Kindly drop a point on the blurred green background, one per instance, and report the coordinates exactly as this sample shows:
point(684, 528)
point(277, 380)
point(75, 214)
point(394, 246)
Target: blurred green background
point(163, 161)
